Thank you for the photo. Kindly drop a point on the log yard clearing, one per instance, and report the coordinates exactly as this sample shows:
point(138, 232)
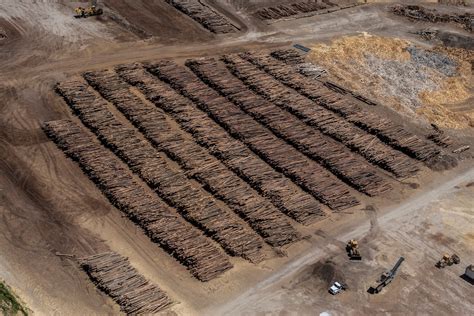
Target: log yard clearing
point(211, 157)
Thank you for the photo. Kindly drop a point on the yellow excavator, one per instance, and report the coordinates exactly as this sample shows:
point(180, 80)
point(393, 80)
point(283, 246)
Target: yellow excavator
point(91, 10)
point(448, 260)
point(352, 249)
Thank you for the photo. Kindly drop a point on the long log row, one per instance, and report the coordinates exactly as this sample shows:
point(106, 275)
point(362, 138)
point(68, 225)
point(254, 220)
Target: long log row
point(113, 275)
point(261, 215)
point(329, 123)
point(286, 10)
point(281, 191)
point(161, 223)
point(331, 154)
point(282, 156)
point(171, 184)
point(204, 15)
point(386, 130)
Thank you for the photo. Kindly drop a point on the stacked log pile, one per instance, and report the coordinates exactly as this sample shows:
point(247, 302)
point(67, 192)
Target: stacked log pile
point(204, 15)
point(114, 275)
point(430, 15)
point(280, 190)
point(331, 154)
point(329, 123)
point(386, 130)
point(282, 156)
point(202, 166)
point(171, 184)
point(287, 10)
point(164, 226)
point(289, 56)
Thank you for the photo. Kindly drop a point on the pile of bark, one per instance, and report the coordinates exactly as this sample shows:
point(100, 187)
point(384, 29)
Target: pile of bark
point(194, 203)
point(386, 130)
point(276, 152)
point(114, 275)
point(204, 15)
point(431, 15)
point(280, 190)
point(287, 10)
point(316, 116)
point(331, 154)
point(260, 214)
point(164, 226)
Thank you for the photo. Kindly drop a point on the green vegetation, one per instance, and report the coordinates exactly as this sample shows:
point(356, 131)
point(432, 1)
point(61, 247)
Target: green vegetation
point(9, 304)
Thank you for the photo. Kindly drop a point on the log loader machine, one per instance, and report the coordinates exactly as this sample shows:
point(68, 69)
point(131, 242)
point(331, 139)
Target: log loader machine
point(448, 260)
point(386, 278)
point(91, 10)
point(352, 249)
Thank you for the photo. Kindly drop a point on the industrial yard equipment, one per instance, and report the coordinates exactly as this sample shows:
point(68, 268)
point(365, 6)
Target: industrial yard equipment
point(470, 272)
point(352, 249)
point(386, 277)
point(91, 10)
point(448, 260)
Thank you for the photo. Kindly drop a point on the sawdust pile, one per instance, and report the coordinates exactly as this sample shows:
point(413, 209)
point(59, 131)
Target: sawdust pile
point(417, 82)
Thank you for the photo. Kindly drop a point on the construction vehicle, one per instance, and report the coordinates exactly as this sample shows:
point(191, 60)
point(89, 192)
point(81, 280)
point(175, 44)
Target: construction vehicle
point(337, 287)
point(91, 10)
point(448, 260)
point(352, 249)
point(386, 277)
point(470, 272)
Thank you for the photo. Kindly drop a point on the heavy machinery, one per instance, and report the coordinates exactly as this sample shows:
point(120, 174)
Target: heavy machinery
point(91, 10)
point(448, 260)
point(352, 249)
point(386, 277)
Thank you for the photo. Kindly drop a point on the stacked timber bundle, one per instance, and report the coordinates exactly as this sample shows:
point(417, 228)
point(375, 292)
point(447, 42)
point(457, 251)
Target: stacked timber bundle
point(286, 10)
point(423, 14)
point(289, 56)
point(440, 139)
point(171, 184)
point(114, 275)
point(329, 123)
point(386, 130)
point(204, 15)
point(331, 154)
point(205, 168)
point(164, 226)
point(285, 195)
point(280, 155)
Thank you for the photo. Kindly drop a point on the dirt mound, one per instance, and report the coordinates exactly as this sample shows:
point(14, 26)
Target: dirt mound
point(417, 82)
point(327, 272)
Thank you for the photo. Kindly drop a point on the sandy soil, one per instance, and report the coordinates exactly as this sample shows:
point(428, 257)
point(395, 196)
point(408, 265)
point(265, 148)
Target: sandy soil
point(47, 206)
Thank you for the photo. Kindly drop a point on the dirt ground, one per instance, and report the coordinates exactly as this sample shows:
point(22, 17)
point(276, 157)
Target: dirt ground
point(49, 208)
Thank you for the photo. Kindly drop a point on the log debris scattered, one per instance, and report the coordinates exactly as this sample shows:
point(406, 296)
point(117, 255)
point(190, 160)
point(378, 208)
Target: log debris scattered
point(114, 275)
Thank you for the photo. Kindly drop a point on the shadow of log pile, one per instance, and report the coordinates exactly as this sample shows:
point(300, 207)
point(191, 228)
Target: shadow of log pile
point(281, 191)
point(194, 204)
point(163, 224)
point(318, 117)
point(114, 275)
point(280, 155)
point(208, 170)
point(386, 130)
point(331, 154)
point(204, 15)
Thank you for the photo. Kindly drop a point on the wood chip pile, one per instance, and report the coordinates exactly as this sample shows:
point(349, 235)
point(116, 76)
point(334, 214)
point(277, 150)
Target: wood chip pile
point(329, 123)
point(171, 184)
point(260, 214)
point(287, 10)
point(386, 130)
point(114, 275)
point(282, 156)
point(335, 157)
point(164, 226)
point(431, 15)
point(281, 191)
point(204, 15)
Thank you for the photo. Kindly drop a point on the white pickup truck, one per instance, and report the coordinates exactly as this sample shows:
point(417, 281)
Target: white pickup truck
point(337, 287)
